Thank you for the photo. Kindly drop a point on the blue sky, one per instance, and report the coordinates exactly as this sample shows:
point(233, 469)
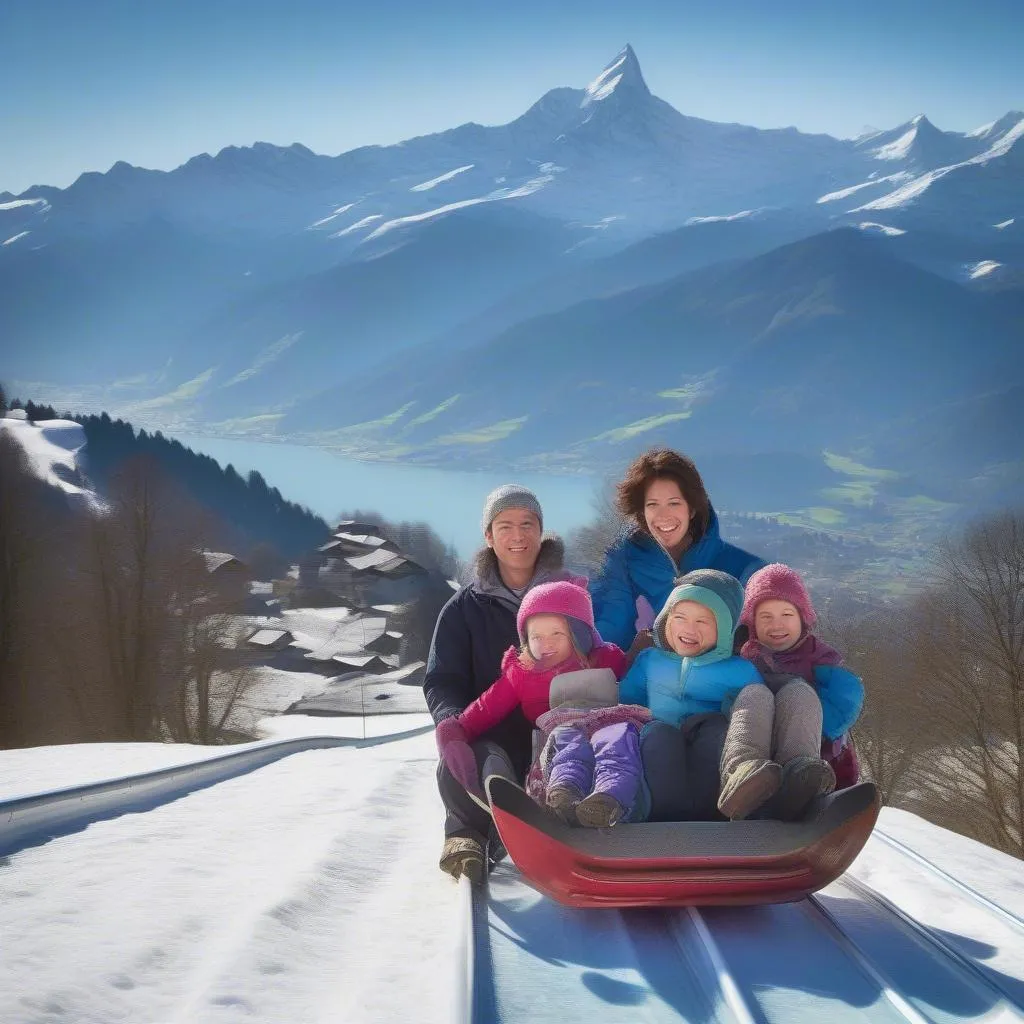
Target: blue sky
point(87, 82)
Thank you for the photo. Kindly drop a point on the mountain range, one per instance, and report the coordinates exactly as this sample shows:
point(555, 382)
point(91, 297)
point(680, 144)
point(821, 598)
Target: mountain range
point(600, 274)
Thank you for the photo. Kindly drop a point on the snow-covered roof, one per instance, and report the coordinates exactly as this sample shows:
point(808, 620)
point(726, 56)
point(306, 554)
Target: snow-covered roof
point(218, 559)
point(356, 527)
point(367, 662)
point(385, 562)
point(371, 560)
point(399, 566)
point(269, 637)
point(369, 540)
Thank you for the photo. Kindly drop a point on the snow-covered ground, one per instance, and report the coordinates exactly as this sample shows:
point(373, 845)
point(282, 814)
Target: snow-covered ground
point(308, 891)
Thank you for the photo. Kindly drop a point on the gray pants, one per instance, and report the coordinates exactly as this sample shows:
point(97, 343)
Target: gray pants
point(465, 817)
point(766, 726)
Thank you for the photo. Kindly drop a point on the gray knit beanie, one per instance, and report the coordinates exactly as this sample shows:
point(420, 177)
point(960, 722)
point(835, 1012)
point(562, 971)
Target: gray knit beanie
point(510, 496)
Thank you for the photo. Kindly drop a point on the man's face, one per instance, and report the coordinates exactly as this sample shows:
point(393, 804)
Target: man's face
point(514, 537)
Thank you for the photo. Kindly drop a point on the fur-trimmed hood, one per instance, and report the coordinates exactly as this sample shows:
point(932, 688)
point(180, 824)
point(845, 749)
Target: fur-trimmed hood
point(487, 577)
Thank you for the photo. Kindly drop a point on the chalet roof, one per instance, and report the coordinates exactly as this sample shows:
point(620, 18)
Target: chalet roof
point(372, 560)
point(369, 540)
point(269, 637)
point(399, 566)
point(218, 559)
point(367, 662)
point(386, 643)
point(355, 527)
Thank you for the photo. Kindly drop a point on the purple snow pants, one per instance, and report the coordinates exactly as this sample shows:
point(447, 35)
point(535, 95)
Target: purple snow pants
point(607, 762)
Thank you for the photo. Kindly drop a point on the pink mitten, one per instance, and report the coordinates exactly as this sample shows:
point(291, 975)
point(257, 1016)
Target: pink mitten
point(644, 614)
point(455, 751)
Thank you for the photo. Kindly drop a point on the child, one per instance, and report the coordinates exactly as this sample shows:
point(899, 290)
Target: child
point(556, 628)
point(690, 673)
point(775, 735)
point(588, 769)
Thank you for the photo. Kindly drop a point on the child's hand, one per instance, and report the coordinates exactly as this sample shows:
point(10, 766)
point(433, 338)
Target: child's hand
point(644, 614)
point(641, 642)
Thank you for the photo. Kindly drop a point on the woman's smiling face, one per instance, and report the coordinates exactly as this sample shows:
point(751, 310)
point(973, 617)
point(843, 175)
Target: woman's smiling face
point(666, 513)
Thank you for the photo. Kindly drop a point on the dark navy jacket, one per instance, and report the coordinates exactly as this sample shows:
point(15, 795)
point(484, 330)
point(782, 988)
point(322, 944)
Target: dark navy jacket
point(474, 630)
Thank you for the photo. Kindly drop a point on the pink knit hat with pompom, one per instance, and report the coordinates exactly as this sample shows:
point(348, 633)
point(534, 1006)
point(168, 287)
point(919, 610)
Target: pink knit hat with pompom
point(780, 583)
point(563, 597)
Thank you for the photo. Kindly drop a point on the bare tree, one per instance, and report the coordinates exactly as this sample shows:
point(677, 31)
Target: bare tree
point(587, 545)
point(20, 547)
point(212, 676)
point(875, 644)
point(144, 566)
point(43, 694)
point(969, 644)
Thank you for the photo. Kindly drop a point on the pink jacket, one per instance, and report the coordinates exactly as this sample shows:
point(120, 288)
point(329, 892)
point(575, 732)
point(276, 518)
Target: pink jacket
point(528, 689)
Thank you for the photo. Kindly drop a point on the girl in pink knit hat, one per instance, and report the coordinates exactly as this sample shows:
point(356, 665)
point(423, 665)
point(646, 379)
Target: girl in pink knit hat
point(775, 740)
point(591, 768)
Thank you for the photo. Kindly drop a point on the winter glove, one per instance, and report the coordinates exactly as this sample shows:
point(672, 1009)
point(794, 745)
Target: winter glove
point(644, 614)
point(455, 751)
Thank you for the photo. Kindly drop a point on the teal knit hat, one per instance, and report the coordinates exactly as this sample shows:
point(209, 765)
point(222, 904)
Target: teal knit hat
point(716, 590)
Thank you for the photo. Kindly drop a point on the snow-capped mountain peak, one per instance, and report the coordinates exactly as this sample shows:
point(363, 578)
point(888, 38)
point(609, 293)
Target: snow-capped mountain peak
point(999, 127)
point(621, 78)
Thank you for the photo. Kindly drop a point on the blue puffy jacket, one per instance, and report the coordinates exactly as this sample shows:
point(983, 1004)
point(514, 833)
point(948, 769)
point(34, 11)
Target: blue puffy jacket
point(842, 697)
point(675, 688)
point(639, 566)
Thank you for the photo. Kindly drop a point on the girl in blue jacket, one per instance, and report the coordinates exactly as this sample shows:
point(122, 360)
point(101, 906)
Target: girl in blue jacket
point(689, 680)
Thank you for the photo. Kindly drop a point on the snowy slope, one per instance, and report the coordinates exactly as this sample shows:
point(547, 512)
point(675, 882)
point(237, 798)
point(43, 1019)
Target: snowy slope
point(308, 891)
point(51, 447)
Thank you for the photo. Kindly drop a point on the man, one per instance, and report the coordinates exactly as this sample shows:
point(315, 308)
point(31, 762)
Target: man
point(474, 629)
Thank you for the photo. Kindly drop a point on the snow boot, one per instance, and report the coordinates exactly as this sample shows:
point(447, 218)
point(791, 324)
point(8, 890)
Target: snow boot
point(599, 810)
point(562, 801)
point(747, 787)
point(803, 778)
point(463, 855)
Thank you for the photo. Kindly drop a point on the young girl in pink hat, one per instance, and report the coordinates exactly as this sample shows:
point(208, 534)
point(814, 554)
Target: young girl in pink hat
point(775, 740)
point(591, 776)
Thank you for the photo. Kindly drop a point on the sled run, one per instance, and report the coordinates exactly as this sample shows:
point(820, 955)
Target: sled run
point(300, 885)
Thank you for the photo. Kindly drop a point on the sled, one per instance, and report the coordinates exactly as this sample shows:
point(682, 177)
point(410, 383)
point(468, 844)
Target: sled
point(691, 863)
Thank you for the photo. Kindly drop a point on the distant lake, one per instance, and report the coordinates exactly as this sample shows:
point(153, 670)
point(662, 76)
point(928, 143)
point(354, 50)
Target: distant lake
point(448, 500)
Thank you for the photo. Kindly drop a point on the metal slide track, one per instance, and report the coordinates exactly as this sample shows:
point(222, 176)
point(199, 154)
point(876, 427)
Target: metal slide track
point(846, 954)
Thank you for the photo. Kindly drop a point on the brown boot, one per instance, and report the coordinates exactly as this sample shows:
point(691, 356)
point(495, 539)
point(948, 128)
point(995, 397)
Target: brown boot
point(599, 810)
point(803, 778)
point(463, 855)
point(747, 787)
point(562, 800)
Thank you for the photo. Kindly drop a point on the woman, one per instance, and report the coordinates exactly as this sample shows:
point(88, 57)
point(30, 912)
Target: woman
point(673, 530)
